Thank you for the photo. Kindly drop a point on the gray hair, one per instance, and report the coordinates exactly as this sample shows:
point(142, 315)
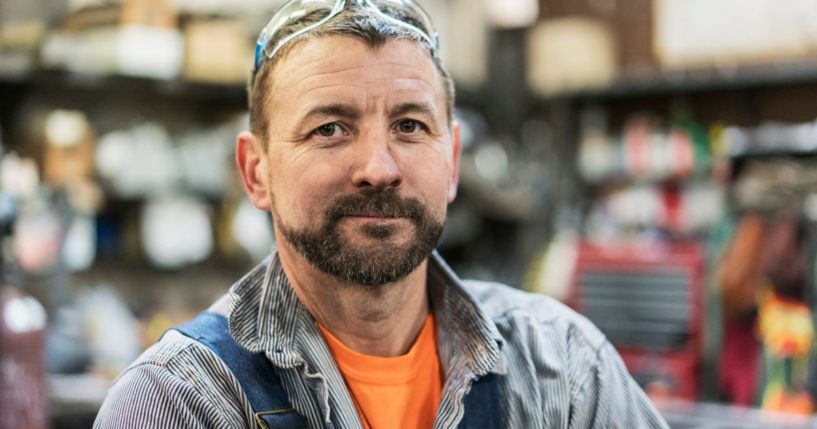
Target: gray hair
point(359, 23)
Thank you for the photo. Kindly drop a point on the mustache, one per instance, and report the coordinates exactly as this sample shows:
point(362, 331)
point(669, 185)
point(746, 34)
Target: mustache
point(375, 203)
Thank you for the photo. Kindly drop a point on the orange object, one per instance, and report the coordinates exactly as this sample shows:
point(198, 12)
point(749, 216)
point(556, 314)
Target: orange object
point(393, 392)
point(778, 399)
point(740, 271)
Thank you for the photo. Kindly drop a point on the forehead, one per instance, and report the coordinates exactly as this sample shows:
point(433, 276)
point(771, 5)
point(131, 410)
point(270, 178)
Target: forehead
point(328, 65)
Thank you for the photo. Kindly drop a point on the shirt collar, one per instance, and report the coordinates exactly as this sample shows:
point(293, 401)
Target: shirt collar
point(267, 316)
point(466, 333)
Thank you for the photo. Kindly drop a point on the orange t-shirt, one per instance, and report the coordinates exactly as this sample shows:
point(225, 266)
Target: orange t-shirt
point(393, 392)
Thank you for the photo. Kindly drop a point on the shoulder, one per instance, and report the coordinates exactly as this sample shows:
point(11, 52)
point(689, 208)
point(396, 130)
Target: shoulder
point(176, 380)
point(542, 335)
point(181, 357)
point(508, 306)
point(549, 342)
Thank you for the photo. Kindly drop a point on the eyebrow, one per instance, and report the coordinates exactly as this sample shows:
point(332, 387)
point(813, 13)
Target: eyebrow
point(322, 111)
point(417, 108)
point(347, 111)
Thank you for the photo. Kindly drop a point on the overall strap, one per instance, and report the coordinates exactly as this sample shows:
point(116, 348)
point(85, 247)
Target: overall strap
point(483, 405)
point(254, 372)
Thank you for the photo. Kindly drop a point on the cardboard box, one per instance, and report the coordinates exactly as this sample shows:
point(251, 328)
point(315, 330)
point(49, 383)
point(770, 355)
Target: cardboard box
point(630, 21)
point(150, 13)
point(217, 51)
point(570, 54)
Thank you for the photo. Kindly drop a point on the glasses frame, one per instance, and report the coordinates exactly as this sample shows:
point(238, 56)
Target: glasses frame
point(340, 5)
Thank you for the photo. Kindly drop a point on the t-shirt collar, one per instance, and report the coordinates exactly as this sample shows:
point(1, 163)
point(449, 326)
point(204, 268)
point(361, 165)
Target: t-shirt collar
point(267, 316)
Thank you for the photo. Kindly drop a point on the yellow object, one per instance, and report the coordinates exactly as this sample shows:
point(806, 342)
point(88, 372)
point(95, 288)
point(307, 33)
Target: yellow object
point(785, 325)
point(787, 333)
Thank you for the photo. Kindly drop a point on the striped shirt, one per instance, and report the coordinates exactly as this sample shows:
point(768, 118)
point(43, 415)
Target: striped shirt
point(558, 370)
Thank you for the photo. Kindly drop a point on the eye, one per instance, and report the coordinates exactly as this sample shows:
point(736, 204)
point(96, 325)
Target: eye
point(328, 130)
point(409, 126)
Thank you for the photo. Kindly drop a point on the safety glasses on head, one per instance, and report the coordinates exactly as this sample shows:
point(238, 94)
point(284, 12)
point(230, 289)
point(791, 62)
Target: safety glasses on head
point(403, 13)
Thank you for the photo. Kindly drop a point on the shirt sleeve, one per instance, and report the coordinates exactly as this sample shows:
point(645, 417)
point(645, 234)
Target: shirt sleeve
point(610, 398)
point(150, 396)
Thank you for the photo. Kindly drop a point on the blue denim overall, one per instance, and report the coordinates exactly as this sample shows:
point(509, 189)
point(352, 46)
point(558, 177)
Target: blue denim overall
point(269, 400)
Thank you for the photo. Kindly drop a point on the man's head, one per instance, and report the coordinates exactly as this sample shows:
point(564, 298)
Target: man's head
point(354, 21)
point(353, 148)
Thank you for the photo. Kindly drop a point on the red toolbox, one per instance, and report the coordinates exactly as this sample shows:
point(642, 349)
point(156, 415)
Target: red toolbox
point(648, 300)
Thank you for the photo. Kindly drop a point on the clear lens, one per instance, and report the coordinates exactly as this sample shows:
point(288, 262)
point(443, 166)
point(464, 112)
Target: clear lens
point(318, 11)
point(404, 13)
point(407, 14)
point(413, 11)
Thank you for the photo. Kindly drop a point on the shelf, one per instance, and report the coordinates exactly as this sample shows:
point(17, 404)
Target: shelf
point(658, 83)
point(226, 93)
point(781, 152)
point(700, 415)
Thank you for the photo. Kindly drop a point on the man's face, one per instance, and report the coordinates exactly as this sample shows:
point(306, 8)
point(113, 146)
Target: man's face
point(361, 161)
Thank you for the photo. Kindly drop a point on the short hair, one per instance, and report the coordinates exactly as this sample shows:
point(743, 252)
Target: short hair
point(360, 23)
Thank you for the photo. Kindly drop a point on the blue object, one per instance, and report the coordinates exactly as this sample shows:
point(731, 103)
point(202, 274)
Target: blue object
point(269, 400)
point(483, 405)
point(254, 372)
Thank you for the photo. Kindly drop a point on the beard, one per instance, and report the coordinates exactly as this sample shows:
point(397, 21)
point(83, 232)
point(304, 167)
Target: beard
point(368, 264)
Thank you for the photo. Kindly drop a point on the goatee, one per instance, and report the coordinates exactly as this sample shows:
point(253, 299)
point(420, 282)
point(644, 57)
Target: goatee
point(368, 264)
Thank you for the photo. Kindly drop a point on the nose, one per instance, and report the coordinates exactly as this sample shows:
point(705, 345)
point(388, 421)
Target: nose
point(377, 167)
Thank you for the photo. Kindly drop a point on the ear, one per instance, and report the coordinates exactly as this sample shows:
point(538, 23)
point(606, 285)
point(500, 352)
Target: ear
point(252, 164)
point(454, 179)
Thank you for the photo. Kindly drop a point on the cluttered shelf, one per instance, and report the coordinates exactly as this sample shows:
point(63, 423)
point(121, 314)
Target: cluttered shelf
point(690, 80)
point(221, 92)
point(121, 308)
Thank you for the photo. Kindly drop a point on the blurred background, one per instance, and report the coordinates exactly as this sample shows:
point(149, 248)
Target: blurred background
point(649, 162)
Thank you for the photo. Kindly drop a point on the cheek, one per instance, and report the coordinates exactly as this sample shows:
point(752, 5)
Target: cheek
point(427, 172)
point(301, 188)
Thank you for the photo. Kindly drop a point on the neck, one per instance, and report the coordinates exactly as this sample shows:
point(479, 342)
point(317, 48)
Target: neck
point(374, 320)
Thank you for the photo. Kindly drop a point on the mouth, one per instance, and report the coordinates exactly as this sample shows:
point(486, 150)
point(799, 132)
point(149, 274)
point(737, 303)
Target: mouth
point(373, 217)
point(375, 227)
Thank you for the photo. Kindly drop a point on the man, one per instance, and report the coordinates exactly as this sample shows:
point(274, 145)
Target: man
point(355, 321)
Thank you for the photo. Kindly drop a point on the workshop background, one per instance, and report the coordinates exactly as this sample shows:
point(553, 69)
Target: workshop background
point(652, 163)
